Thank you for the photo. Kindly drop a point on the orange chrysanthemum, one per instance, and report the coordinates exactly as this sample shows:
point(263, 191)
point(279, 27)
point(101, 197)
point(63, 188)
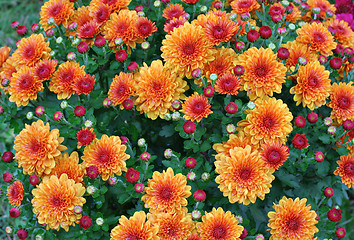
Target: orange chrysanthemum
point(269, 120)
point(274, 154)
point(31, 50)
point(84, 84)
point(99, 11)
point(135, 228)
point(36, 147)
point(243, 176)
point(81, 16)
point(68, 165)
point(108, 154)
point(122, 25)
point(196, 107)
point(4, 54)
point(173, 11)
point(156, 88)
point(122, 87)
point(342, 102)
point(317, 37)
point(178, 225)
point(7, 70)
point(63, 79)
point(346, 170)
point(219, 225)
point(295, 15)
point(54, 200)
point(220, 29)
point(342, 31)
point(313, 85)
point(88, 31)
point(292, 219)
point(186, 49)
point(114, 5)
point(174, 23)
point(244, 6)
point(228, 84)
point(15, 193)
point(166, 192)
point(59, 10)
point(263, 73)
point(324, 5)
point(297, 50)
point(44, 69)
point(144, 27)
point(193, 236)
point(24, 86)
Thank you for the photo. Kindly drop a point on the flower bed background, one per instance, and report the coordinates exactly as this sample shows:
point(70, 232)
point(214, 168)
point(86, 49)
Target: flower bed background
point(195, 113)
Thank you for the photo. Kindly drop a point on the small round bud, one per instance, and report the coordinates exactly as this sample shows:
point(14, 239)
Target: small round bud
point(328, 192)
point(7, 156)
point(167, 116)
point(106, 102)
point(168, 153)
point(196, 73)
point(285, 3)
point(71, 56)
point(272, 46)
point(253, 35)
point(191, 176)
point(199, 195)
point(39, 237)
point(92, 171)
point(319, 156)
point(85, 222)
point(233, 16)
point(124, 140)
point(231, 108)
point(218, 4)
point(145, 45)
point(8, 230)
point(121, 55)
point(332, 130)
point(281, 31)
point(283, 53)
point(239, 46)
point(22, 233)
point(259, 237)
point(5, 82)
point(189, 127)
point(316, 10)
point(328, 121)
point(7, 177)
point(29, 115)
point(112, 181)
point(322, 59)
point(157, 3)
point(190, 162)
point(196, 214)
point(35, 28)
point(205, 176)
point(88, 123)
point(128, 104)
point(51, 21)
point(73, 26)
point(292, 26)
point(302, 61)
point(213, 77)
point(245, 16)
point(14, 24)
point(141, 142)
point(52, 53)
point(59, 40)
point(251, 105)
point(239, 218)
point(78, 209)
point(203, 9)
point(176, 116)
point(33, 179)
point(230, 128)
point(145, 156)
point(64, 104)
point(176, 104)
point(239, 70)
point(90, 190)
point(57, 116)
point(99, 221)
point(82, 47)
point(336, 62)
point(139, 187)
point(341, 232)
point(133, 67)
point(265, 32)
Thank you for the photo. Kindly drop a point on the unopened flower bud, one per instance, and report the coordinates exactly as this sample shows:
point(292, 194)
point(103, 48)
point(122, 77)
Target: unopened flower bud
point(292, 26)
point(239, 218)
point(245, 16)
point(251, 105)
point(52, 53)
point(230, 128)
point(99, 221)
point(281, 31)
point(39, 237)
point(76, 42)
point(196, 73)
point(213, 77)
point(328, 121)
point(191, 176)
point(332, 130)
point(176, 104)
point(205, 176)
point(176, 116)
point(118, 41)
point(57, 116)
point(259, 237)
point(51, 21)
point(168, 153)
point(71, 56)
point(90, 190)
point(196, 214)
point(112, 181)
point(8, 230)
point(29, 115)
point(141, 142)
point(88, 123)
point(272, 46)
point(106, 102)
point(167, 116)
point(203, 9)
point(145, 45)
point(302, 61)
point(316, 10)
point(78, 209)
point(233, 16)
point(39, 111)
point(285, 3)
point(64, 104)
point(141, 14)
point(5, 82)
point(157, 3)
point(50, 32)
point(59, 40)
point(73, 26)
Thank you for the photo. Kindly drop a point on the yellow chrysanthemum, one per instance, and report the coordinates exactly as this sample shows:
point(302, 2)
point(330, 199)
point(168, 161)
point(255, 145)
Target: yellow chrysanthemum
point(196, 107)
point(243, 177)
point(269, 120)
point(263, 73)
point(346, 170)
point(292, 220)
point(108, 154)
point(187, 48)
point(342, 102)
point(313, 85)
point(156, 88)
point(59, 10)
point(219, 225)
point(15, 193)
point(54, 200)
point(36, 147)
point(166, 192)
point(136, 227)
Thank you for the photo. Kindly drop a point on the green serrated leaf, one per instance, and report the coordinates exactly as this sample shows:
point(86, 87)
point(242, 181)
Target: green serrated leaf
point(167, 131)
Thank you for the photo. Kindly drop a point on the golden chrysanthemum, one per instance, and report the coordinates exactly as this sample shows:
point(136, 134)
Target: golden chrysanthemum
point(122, 87)
point(346, 170)
point(342, 102)
point(36, 147)
point(156, 88)
point(292, 220)
point(54, 200)
point(15, 193)
point(24, 86)
point(296, 50)
point(136, 227)
point(68, 165)
point(174, 226)
point(220, 29)
point(64, 77)
point(324, 5)
point(99, 11)
point(31, 50)
point(263, 73)
point(173, 11)
point(59, 10)
point(269, 120)
point(243, 177)
point(228, 83)
point(244, 6)
point(274, 154)
point(317, 37)
point(122, 25)
point(44, 69)
point(114, 5)
point(4, 54)
point(218, 224)
point(9, 67)
point(108, 154)
point(313, 85)
point(187, 48)
point(295, 15)
point(166, 192)
point(342, 31)
point(81, 16)
point(196, 107)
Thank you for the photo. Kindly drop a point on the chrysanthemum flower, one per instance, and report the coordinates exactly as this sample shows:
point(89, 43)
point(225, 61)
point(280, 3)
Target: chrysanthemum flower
point(243, 176)
point(114, 5)
point(228, 84)
point(68, 165)
point(342, 32)
point(166, 192)
point(88, 30)
point(346, 170)
point(269, 120)
point(15, 193)
point(7, 70)
point(274, 154)
point(84, 84)
point(263, 73)
point(81, 16)
point(313, 85)
point(243, 6)
point(54, 200)
point(24, 86)
point(36, 146)
point(219, 225)
point(31, 50)
point(317, 37)
point(85, 137)
point(4, 54)
point(178, 225)
point(196, 107)
point(174, 23)
point(295, 15)
point(193, 236)
point(108, 154)
point(59, 10)
point(44, 69)
point(186, 49)
point(99, 11)
point(342, 102)
point(144, 27)
point(156, 88)
point(135, 228)
point(297, 50)
point(292, 219)
point(64, 77)
point(173, 11)
point(324, 5)
point(220, 29)
point(122, 87)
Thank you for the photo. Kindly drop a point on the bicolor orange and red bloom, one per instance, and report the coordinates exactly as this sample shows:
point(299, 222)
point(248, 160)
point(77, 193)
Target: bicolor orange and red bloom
point(173, 11)
point(7, 70)
point(345, 169)
point(342, 102)
point(274, 154)
point(295, 15)
point(220, 29)
point(84, 84)
point(15, 193)
point(44, 69)
point(99, 11)
point(174, 23)
point(85, 136)
point(166, 192)
point(59, 10)
point(122, 87)
point(297, 50)
point(4, 54)
point(342, 32)
point(196, 107)
point(114, 5)
point(144, 27)
point(292, 219)
point(228, 83)
point(244, 6)
point(324, 5)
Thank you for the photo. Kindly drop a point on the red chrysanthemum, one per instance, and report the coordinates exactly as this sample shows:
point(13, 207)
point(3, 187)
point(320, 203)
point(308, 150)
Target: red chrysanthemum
point(228, 84)
point(174, 23)
point(300, 141)
point(15, 193)
point(88, 30)
point(132, 175)
point(44, 69)
point(144, 27)
point(85, 137)
point(274, 154)
point(173, 11)
point(196, 107)
point(84, 84)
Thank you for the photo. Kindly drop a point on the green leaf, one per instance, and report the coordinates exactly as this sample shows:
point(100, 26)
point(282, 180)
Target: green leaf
point(103, 189)
point(205, 146)
point(287, 179)
point(123, 197)
point(167, 131)
point(326, 139)
point(322, 168)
